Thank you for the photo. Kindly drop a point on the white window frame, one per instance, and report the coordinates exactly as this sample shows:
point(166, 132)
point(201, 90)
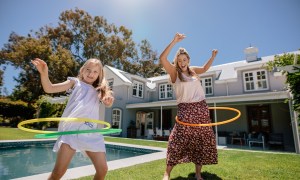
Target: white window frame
point(139, 89)
point(256, 81)
point(207, 86)
point(117, 118)
point(165, 91)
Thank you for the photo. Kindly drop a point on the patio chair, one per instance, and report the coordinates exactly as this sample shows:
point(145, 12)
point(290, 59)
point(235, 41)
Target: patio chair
point(166, 132)
point(239, 137)
point(158, 131)
point(276, 140)
point(150, 134)
point(259, 140)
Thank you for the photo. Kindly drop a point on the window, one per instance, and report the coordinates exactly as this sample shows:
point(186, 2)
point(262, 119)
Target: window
point(137, 90)
point(110, 84)
point(255, 80)
point(207, 85)
point(165, 91)
point(259, 118)
point(116, 118)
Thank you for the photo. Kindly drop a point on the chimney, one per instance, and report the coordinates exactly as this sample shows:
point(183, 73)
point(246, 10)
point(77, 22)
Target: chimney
point(251, 54)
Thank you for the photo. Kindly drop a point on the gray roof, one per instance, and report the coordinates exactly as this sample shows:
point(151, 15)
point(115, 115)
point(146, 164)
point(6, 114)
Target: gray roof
point(128, 78)
point(229, 71)
point(119, 73)
point(223, 72)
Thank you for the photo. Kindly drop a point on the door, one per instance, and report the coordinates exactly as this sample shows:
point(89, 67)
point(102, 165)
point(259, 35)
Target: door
point(167, 119)
point(144, 121)
point(259, 119)
point(149, 120)
point(140, 123)
point(149, 123)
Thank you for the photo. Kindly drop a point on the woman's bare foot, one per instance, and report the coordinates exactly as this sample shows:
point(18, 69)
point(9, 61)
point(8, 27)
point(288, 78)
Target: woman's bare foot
point(166, 177)
point(198, 177)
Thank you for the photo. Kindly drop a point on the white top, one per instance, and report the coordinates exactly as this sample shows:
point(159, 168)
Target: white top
point(188, 91)
point(83, 103)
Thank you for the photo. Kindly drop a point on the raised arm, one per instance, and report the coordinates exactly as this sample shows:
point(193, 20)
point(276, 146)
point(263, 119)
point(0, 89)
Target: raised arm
point(203, 69)
point(46, 83)
point(170, 68)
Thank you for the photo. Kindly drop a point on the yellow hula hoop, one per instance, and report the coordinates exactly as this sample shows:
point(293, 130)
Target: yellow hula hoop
point(217, 123)
point(20, 125)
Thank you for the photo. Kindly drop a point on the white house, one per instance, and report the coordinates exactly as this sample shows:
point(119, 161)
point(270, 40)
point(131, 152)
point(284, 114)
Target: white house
point(246, 85)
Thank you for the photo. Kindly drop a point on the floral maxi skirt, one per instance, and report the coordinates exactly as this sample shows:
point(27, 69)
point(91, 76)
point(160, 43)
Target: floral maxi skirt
point(192, 144)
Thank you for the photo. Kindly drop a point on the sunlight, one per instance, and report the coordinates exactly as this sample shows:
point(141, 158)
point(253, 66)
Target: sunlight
point(129, 4)
point(130, 7)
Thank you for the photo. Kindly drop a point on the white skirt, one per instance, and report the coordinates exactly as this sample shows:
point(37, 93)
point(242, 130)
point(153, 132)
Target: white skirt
point(93, 142)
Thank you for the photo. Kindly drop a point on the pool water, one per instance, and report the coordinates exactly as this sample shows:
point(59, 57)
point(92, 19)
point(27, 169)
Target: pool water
point(28, 159)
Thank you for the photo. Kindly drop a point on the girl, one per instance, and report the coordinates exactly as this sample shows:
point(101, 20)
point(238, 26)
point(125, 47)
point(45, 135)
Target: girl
point(187, 143)
point(88, 89)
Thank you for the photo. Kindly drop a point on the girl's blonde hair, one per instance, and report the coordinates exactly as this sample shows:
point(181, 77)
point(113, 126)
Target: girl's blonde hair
point(100, 84)
point(179, 71)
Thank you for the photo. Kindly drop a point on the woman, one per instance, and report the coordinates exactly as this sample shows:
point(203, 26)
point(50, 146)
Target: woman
point(187, 143)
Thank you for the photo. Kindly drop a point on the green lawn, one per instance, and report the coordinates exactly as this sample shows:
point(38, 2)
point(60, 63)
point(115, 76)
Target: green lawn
point(14, 134)
point(233, 164)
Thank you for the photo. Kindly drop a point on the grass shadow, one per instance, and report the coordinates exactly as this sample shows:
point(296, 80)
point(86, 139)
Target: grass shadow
point(205, 175)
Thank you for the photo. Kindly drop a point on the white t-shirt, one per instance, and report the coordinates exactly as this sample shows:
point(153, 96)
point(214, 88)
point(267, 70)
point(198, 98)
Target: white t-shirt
point(188, 91)
point(83, 103)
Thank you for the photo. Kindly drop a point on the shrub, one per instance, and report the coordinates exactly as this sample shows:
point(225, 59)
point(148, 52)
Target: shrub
point(47, 109)
point(13, 112)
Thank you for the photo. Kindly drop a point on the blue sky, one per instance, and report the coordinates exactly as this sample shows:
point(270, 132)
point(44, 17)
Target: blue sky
point(273, 26)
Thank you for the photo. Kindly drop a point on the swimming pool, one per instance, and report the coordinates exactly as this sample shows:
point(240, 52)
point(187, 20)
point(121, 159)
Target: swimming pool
point(20, 159)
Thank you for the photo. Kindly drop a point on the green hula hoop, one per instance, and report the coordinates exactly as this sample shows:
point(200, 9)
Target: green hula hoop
point(56, 134)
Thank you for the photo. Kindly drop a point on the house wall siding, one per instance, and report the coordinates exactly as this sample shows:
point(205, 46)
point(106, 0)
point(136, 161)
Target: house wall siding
point(277, 83)
point(112, 76)
point(221, 89)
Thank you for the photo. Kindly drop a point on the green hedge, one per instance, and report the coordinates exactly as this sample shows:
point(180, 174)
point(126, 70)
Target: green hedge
point(45, 109)
point(15, 111)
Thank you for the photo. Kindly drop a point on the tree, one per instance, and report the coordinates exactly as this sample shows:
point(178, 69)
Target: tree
point(148, 62)
point(293, 78)
point(1, 79)
point(77, 37)
point(21, 50)
point(2, 75)
point(92, 37)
